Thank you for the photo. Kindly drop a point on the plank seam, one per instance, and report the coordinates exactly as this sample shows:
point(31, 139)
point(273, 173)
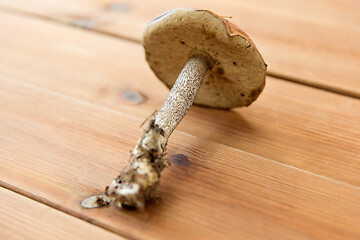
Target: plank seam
point(300, 81)
point(64, 209)
point(63, 23)
point(80, 101)
point(284, 77)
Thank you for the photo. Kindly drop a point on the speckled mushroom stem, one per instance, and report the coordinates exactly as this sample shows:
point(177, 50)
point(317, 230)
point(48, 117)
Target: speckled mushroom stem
point(182, 94)
point(140, 178)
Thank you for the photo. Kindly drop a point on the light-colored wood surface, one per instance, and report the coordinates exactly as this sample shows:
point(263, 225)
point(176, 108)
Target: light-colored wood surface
point(312, 42)
point(71, 102)
point(22, 218)
point(61, 150)
point(289, 123)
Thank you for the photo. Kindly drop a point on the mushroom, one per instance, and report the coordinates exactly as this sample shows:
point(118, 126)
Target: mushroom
point(214, 63)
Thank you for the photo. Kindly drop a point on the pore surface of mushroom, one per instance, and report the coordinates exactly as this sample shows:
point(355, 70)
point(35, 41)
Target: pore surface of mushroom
point(204, 59)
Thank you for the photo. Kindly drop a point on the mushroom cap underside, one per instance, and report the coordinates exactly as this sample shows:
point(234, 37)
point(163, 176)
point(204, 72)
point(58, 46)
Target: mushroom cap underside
point(236, 76)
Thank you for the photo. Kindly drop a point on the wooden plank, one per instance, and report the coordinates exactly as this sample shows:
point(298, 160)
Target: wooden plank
point(61, 150)
point(314, 43)
point(296, 125)
point(22, 218)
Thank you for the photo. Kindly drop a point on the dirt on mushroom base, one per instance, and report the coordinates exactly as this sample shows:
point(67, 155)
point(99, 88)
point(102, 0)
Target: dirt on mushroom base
point(140, 178)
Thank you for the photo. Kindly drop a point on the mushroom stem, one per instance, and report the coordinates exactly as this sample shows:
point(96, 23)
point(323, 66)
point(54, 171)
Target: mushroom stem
point(183, 93)
point(140, 178)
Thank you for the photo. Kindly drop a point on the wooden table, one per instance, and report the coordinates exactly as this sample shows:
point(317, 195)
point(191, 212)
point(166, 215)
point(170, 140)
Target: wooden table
point(74, 88)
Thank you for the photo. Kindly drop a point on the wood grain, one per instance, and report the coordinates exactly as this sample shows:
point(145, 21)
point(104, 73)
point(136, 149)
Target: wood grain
point(296, 125)
point(23, 218)
point(314, 43)
point(61, 150)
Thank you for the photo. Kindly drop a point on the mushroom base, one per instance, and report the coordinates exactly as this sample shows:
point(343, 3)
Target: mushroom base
point(139, 179)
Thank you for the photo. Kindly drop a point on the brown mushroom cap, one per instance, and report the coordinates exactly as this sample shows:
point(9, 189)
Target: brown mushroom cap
point(237, 73)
